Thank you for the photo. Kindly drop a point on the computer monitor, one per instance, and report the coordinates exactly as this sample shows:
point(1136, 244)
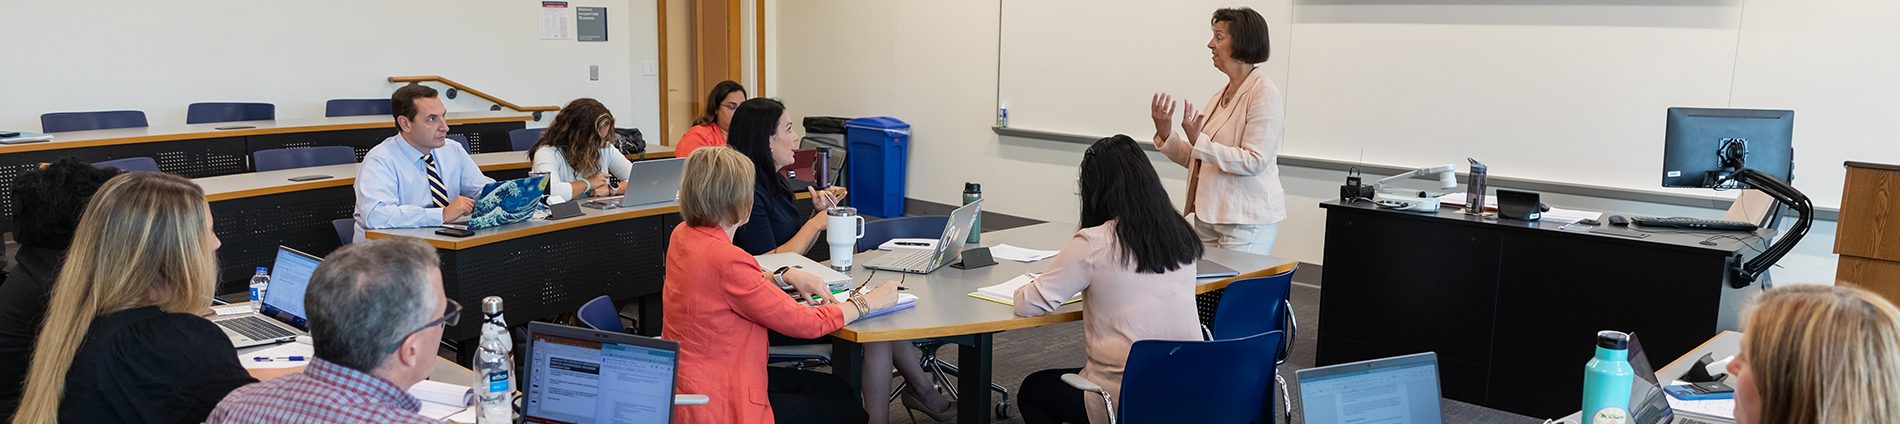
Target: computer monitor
point(578, 375)
point(1702, 147)
point(1399, 390)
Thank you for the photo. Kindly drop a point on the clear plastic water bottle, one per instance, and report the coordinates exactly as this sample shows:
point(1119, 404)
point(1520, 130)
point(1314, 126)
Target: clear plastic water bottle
point(494, 367)
point(259, 283)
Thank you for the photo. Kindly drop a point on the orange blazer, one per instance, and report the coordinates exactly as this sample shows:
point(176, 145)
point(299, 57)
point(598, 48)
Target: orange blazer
point(718, 305)
point(699, 136)
point(1234, 165)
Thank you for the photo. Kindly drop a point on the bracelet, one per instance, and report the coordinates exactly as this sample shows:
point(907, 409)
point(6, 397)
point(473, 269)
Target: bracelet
point(590, 186)
point(863, 306)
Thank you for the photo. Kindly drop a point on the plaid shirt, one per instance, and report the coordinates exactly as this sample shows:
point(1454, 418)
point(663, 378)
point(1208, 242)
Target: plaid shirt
point(323, 393)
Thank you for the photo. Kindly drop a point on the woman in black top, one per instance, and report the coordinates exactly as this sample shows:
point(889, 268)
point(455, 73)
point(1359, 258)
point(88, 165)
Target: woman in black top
point(123, 338)
point(46, 206)
point(763, 132)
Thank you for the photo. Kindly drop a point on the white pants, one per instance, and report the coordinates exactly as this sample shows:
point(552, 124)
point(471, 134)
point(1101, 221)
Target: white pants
point(1251, 238)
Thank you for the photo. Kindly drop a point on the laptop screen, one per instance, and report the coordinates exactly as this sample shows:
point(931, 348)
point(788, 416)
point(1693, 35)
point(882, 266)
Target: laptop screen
point(574, 378)
point(1392, 390)
point(289, 277)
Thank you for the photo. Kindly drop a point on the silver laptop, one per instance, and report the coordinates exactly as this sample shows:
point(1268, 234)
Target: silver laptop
point(919, 261)
point(1398, 390)
point(281, 318)
point(837, 280)
point(651, 181)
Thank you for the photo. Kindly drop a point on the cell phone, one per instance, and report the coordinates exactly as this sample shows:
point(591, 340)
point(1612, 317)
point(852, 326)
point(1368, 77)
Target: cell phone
point(309, 178)
point(455, 232)
point(1701, 391)
point(5, 134)
point(234, 127)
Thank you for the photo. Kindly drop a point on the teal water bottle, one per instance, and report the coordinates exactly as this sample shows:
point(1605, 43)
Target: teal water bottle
point(1606, 380)
point(973, 192)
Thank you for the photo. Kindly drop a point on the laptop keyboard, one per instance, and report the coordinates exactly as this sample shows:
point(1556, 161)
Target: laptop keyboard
point(916, 259)
point(255, 328)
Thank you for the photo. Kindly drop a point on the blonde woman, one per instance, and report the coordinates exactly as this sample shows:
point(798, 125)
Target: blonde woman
point(123, 340)
point(1818, 354)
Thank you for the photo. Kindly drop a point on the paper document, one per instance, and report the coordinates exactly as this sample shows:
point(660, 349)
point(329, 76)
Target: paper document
point(1566, 216)
point(904, 301)
point(1005, 293)
point(908, 243)
point(232, 309)
point(1717, 409)
point(441, 400)
point(279, 351)
point(1018, 254)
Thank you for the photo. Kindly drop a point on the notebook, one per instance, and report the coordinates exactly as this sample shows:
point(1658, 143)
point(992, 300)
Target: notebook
point(1005, 293)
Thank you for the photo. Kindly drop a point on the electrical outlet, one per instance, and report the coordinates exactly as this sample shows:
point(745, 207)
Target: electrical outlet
point(651, 68)
point(593, 72)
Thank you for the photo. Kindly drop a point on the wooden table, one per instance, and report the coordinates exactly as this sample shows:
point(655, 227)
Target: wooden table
point(945, 311)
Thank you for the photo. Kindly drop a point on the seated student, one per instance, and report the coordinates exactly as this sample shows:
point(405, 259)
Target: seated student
point(376, 316)
point(719, 305)
point(577, 152)
point(709, 129)
point(124, 339)
point(417, 178)
point(1134, 263)
point(46, 206)
point(763, 132)
point(1818, 354)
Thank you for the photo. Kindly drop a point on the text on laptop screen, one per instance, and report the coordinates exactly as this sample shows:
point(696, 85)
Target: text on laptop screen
point(1398, 394)
point(289, 276)
point(584, 381)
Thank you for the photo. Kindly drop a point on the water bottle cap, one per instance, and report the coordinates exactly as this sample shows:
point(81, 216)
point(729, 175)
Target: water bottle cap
point(491, 305)
point(972, 188)
point(263, 269)
point(842, 211)
point(1614, 340)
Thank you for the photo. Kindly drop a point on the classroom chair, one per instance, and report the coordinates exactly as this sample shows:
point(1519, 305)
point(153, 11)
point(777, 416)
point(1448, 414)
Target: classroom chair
point(356, 107)
point(82, 121)
point(302, 157)
point(524, 138)
point(205, 113)
point(1174, 381)
point(600, 315)
point(927, 227)
point(464, 140)
point(345, 230)
point(1258, 305)
point(131, 164)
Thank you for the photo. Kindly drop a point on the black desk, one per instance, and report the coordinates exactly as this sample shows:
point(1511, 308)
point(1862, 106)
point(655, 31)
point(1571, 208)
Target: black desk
point(1512, 308)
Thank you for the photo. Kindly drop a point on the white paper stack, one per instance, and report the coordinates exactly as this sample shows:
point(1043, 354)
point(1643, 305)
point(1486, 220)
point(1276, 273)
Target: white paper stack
point(1018, 254)
point(441, 400)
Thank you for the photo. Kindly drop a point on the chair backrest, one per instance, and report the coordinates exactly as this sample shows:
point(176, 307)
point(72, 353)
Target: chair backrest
point(204, 113)
point(1253, 306)
point(883, 230)
point(524, 138)
point(345, 230)
point(302, 157)
point(1220, 381)
point(81, 121)
point(804, 166)
point(356, 107)
point(599, 315)
point(464, 140)
point(131, 164)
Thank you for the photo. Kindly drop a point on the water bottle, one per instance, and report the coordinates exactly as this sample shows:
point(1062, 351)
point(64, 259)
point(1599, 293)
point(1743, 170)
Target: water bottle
point(1606, 381)
point(1474, 188)
point(973, 192)
point(1002, 116)
point(259, 283)
point(494, 367)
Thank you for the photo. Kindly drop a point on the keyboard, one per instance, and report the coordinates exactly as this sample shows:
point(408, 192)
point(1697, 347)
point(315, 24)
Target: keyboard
point(255, 328)
point(910, 259)
point(1692, 223)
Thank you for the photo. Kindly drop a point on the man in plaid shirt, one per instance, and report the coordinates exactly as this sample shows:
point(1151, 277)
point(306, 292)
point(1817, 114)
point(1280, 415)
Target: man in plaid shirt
point(376, 313)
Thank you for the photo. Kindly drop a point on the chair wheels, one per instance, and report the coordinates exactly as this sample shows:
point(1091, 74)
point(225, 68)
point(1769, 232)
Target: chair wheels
point(1002, 410)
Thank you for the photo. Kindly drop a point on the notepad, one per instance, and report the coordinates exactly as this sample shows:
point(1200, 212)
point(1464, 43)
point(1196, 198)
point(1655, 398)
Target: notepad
point(1019, 254)
point(441, 400)
point(904, 301)
point(1005, 293)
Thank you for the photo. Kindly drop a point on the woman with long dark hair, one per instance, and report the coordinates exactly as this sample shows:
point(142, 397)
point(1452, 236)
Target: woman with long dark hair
point(709, 128)
point(1133, 262)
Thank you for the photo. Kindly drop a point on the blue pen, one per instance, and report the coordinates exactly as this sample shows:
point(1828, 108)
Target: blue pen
point(277, 358)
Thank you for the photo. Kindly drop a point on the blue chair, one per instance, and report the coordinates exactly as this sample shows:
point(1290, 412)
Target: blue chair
point(345, 230)
point(1170, 381)
point(1258, 305)
point(132, 164)
point(356, 107)
point(600, 315)
point(82, 121)
point(464, 140)
point(883, 230)
point(302, 157)
point(524, 138)
point(205, 113)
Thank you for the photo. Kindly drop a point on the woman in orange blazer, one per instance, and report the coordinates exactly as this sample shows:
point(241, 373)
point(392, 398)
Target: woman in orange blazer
point(719, 304)
point(709, 129)
point(1234, 197)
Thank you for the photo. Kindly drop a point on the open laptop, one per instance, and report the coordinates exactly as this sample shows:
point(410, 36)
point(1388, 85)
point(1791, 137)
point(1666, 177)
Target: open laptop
point(1210, 269)
point(1398, 390)
point(920, 261)
point(651, 181)
point(577, 375)
point(281, 318)
point(837, 280)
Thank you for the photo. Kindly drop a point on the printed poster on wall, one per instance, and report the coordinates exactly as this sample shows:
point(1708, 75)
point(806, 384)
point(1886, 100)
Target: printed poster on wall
point(554, 20)
point(592, 23)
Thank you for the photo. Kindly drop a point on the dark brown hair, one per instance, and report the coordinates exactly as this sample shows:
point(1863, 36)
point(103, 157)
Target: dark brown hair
point(1249, 32)
point(576, 133)
point(403, 103)
point(719, 93)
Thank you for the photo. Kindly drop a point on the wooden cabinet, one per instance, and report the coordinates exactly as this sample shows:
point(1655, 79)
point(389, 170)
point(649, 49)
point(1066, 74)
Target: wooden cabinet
point(1868, 237)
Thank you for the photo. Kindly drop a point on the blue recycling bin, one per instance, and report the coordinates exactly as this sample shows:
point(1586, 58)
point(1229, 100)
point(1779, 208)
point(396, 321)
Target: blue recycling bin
point(878, 148)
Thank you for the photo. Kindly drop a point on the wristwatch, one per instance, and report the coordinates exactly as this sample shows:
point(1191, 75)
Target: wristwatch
point(778, 276)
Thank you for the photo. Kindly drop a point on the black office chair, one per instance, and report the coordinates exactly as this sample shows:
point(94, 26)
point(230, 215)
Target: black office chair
point(929, 227)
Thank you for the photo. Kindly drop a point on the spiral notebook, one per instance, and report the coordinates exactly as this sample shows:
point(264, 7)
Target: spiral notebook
point(904, 301)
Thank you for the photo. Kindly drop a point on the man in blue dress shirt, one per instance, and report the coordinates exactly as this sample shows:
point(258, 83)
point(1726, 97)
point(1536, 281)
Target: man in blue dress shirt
point(418, 178)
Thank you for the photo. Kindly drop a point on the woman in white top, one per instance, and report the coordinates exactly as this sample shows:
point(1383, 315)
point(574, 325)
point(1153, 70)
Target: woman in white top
point(577, 152)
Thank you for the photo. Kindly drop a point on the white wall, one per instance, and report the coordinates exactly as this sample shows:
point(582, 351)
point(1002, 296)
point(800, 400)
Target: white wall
point(934, 64)
point(160, 56)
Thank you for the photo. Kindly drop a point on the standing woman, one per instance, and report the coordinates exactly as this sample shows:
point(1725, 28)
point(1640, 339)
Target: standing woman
point(709, 129)
point(123, 339)
point(1234, 199)
point(577, 151)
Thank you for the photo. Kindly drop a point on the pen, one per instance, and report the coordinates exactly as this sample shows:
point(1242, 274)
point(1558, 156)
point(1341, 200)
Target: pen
point(297, 358)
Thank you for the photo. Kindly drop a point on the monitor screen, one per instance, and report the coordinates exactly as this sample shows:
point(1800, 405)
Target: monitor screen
point(289, 277)
point(588, 380)
point(1402, 390)
point(1695, 141)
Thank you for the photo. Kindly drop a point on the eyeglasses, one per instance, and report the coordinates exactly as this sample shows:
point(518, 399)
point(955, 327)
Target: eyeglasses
point(449, 317)
point(729, 106)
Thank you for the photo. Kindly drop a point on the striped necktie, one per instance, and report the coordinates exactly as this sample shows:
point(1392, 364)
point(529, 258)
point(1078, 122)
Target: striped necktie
point(435, 182)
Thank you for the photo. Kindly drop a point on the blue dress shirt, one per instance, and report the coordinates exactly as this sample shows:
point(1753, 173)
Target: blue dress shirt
point(392, 187)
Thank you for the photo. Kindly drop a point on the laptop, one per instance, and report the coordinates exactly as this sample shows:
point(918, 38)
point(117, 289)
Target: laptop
point(920, 261)
point(577, 375)
point(837, 280)
point(281, 317)
point(507, 202)
point(1398, 390)
point(1210, 269)
point(651, 181)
